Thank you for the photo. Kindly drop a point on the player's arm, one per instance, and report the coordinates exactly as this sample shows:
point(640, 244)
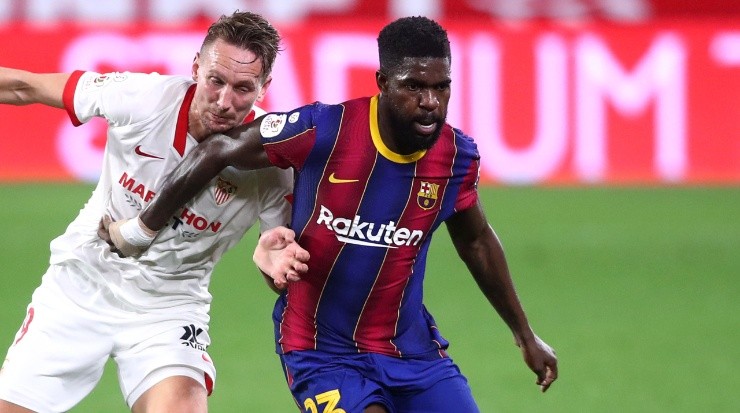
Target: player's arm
point(19, 87)
point(241, 148)
point(279, 257)
point(481, 250)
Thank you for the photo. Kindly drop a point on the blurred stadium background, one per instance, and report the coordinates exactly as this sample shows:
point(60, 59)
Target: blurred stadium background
point(610, 137)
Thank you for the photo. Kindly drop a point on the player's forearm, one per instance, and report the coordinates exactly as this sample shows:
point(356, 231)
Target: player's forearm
point(184, 182)
point(500, 292)
point(13, 88)
point(487, 263)
point(19, 87)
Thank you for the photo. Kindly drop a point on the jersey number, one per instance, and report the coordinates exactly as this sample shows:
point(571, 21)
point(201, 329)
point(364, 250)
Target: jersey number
point(330, 398)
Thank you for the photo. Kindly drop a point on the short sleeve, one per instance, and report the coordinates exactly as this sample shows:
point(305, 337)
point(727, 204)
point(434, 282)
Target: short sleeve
point(468, 195)
point(121, 98)
point(289, 137)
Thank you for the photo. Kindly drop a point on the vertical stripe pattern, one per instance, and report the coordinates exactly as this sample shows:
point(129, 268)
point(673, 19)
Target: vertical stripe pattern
point(366, 217)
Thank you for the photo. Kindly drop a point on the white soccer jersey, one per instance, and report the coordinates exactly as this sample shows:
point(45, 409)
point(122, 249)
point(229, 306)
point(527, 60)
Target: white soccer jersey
point(147, 117)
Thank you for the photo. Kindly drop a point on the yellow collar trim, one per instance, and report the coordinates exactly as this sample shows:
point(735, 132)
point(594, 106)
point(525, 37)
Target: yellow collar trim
point(378, 141)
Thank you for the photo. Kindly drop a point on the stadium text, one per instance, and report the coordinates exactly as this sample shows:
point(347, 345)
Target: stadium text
point(544, 105)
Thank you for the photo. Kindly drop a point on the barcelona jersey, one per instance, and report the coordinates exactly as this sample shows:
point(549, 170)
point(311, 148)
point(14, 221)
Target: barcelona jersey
point(366, 215)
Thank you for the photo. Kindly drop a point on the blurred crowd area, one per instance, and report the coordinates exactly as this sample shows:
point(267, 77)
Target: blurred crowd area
point(286, 11)
point(554, 91)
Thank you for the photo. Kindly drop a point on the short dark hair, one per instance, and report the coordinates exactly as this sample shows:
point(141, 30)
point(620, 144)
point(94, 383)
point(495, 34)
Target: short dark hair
point(411, 37)
point(249, 31)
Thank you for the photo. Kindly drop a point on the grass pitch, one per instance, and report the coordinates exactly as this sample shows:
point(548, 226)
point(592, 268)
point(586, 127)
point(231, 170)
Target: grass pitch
point(636, 288)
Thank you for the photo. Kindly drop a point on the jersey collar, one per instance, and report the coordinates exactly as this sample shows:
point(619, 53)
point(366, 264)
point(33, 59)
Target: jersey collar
point(181, 129)
point(378, 141)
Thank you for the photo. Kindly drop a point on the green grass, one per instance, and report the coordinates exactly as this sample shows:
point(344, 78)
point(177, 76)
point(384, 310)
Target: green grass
point(636, 288)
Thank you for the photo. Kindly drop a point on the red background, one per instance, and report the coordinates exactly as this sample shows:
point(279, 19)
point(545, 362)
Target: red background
point(708, 80)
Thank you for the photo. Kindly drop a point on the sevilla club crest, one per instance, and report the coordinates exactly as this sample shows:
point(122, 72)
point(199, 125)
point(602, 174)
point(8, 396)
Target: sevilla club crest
point(224, 190)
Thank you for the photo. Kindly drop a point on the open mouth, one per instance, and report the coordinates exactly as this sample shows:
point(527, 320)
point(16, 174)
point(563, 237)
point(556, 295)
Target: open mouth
point(425, 127)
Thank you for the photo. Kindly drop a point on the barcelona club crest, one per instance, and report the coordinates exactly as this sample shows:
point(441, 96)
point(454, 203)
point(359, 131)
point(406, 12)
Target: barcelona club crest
point(224, 190)
point(427, 196)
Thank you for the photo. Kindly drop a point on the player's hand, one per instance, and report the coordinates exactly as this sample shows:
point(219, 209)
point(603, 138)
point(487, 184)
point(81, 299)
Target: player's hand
point(104, 234)
point(280, 257)
point(126, 237)
point(541, 359)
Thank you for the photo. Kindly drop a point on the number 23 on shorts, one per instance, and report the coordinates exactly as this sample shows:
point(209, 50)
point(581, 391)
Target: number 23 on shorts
point(329, 398)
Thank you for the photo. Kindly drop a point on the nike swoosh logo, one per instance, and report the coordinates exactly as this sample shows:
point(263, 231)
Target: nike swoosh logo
point(336, 180)
point(144, 154)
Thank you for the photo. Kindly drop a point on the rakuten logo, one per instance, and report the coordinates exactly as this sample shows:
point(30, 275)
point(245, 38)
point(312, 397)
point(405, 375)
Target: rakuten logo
point(354, 231)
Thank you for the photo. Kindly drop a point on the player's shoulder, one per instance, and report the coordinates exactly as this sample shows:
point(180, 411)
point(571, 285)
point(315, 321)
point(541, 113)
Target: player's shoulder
point(151, 83)
point(463, 141)
point(326, 112)
point(131, 78)
point(167, 83)
point(307, 115)
point(459, 133)
point(146, 95)
point(155, 91)
point(360, 104)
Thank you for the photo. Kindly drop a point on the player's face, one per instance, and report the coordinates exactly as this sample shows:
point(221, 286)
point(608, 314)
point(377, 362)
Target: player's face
point(229, 83)
point(414, 100)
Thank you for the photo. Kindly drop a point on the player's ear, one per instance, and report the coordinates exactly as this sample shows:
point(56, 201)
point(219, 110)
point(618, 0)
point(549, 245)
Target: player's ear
point(195, 66)
point(263, 90)
point(380, 79)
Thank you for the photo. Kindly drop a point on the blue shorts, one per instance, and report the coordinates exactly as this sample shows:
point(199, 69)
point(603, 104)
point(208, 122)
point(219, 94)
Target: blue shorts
point(323, 383)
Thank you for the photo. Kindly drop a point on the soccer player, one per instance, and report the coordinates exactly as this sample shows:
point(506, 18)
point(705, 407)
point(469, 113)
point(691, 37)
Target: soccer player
point(376, 176)
point(150, 315)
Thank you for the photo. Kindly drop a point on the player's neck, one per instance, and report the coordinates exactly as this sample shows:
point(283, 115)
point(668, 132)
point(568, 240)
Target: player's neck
point(384, 129)
point(196, 129)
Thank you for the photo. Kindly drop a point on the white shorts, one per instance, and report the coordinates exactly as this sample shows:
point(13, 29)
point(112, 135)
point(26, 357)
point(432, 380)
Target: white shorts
point(72, 327)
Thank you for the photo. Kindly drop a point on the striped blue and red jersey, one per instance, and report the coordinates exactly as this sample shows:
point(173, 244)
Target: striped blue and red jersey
point(366, 215)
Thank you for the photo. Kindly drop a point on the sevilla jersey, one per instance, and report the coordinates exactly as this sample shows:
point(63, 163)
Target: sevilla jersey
point(147, 116)
point(366, 215)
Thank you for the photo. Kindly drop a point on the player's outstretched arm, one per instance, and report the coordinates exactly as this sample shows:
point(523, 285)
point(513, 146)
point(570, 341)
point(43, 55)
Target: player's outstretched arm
point(241, 148)
point(280, 258)
point(19, 87)
point(482, 252)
